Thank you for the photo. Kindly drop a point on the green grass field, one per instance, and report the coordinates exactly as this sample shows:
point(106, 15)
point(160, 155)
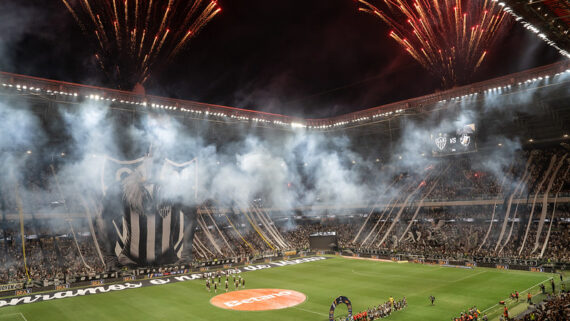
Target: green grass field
point(365, 283)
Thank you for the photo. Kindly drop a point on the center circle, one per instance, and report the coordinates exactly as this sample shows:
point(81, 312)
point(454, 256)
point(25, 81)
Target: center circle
point(258, 299)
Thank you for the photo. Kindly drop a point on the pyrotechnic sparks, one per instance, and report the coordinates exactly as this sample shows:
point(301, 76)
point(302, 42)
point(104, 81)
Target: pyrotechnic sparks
point(135, 35)
point(450, 38)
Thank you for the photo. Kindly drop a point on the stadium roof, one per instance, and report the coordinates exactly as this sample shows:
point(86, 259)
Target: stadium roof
point(550, 19)
point(76, 93)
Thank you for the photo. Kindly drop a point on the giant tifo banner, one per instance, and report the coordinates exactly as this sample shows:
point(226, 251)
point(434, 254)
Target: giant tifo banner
point(145, 282)
point(138, 208)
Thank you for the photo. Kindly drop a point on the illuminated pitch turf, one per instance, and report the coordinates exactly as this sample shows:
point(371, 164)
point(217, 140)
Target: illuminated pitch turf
point(365, 283)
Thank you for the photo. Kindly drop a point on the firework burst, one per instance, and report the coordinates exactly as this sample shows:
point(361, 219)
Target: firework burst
point(133, 36)
point(450, 38)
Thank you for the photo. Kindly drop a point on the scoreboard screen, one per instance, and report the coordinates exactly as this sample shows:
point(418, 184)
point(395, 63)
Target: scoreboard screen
point(462, 140)
point(323, 241)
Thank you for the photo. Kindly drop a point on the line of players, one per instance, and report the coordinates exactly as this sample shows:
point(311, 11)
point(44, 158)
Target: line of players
point(472, 314)
point(211, 281)
point(382, 310)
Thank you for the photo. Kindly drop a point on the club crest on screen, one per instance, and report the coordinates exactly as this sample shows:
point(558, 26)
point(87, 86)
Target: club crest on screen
point(440, 142)
point(465, 140)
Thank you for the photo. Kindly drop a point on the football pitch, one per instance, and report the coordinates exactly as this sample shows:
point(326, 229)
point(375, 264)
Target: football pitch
point(365, 283)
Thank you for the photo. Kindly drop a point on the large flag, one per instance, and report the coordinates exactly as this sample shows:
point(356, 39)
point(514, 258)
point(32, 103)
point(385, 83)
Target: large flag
point(146, 207)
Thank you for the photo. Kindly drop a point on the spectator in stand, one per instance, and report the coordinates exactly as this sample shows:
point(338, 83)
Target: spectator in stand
point(555, 309)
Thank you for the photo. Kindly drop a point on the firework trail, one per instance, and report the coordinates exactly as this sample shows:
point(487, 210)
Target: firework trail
point(133, 36)
point(450, 38)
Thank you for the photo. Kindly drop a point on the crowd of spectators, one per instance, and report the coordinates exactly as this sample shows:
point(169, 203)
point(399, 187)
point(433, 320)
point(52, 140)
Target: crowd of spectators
point(444, 231)
point(457, 232)
point(56, 255)
point(555, 308)
point(471, 177)
point(47, 257)
point(299, 236)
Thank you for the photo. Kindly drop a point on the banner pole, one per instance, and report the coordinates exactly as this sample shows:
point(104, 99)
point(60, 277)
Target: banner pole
point(21, 215)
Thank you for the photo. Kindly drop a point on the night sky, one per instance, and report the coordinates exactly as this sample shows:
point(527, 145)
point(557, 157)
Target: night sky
point(314, 59)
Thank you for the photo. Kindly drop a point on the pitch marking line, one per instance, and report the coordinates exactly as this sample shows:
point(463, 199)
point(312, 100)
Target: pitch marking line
point(317, 313)
point(469, 276)
point(10, 314)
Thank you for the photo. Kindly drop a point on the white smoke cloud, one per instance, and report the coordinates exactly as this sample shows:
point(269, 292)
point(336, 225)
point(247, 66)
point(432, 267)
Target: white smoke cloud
point(282, 169)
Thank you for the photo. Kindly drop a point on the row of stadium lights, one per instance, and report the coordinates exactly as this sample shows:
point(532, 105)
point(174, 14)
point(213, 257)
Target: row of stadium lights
point(220, 114)
point(498, 88)
point(254, 119)
point(320, 127)
point(360, 119)
point(144, 104)
point(534, 29)
point(387, 113)
point(37, 89)
point(122, 101)
point(530, 81)
point(245, 118)
point(156, 106)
